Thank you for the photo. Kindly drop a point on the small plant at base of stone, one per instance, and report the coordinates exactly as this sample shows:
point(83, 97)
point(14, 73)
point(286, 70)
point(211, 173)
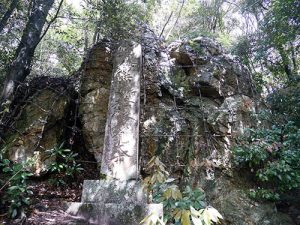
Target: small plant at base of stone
point(14, 187)
point(65, 163)
point(180, 208)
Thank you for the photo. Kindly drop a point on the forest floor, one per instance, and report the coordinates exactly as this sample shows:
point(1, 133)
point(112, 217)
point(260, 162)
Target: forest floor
point(48, 202)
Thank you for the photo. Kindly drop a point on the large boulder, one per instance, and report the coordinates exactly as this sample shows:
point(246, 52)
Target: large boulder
point(37, 127)
point(196, 100)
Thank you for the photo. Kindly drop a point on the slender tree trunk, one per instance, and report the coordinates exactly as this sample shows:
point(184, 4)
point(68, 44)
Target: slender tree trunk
point(285, 63)
point(179, 14)
point(294, 58)
point(8, 13)
point(21, 65)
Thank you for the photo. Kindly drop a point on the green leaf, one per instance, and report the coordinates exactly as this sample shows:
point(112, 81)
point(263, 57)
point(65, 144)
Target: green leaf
point(13, 188)
point(7, 169)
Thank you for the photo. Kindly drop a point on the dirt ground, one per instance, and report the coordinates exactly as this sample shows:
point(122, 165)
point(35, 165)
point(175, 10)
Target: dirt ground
point(47, 204)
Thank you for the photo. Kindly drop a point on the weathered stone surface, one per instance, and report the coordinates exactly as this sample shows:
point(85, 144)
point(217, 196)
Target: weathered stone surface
point(196, 101)
point(114, 191)
point(119, 199)
point(120, 156)
point(229, 196)
point(233, 116)
point(94, 90)
point(113, 214)
point(40, 127)
point(207, 67)
point(193, 102)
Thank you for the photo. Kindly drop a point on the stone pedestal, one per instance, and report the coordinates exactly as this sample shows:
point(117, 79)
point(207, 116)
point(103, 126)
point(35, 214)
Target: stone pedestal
point(113, 191)
point(112, 203)
point(112, 214)
point(119, 199)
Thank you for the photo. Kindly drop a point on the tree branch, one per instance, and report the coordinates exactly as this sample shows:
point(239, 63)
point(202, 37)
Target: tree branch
point(165, 25)
point(51, 21)
point(179, 14)
point(8, 13)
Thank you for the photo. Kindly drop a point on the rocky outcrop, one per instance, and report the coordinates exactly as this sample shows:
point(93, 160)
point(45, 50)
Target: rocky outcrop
point(94, 91)
point(38, 126)
point(196, 100)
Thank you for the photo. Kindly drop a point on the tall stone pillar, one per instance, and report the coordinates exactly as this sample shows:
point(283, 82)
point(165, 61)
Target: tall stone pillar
point(119, 198)
point(120, 156)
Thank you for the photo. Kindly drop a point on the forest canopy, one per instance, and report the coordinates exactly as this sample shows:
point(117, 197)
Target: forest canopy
point(263, 33)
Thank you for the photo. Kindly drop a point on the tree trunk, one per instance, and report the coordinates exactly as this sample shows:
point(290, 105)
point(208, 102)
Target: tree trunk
point(285, 63)
point(294, 58)
point(21, 65)
point(8, 13)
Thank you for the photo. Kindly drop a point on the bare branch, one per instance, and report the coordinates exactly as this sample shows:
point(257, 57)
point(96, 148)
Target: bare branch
point(179, 14)
point(51, 21)
point(165, 25)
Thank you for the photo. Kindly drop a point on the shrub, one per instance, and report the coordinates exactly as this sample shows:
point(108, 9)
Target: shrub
point(273, 156)
point(180, 207)
point(65, 163)
point(14, 188)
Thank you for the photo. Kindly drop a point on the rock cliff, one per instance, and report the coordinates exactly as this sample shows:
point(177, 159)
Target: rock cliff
point(195, 101)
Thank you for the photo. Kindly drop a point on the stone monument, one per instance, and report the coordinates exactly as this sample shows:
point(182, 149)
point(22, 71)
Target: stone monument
point(119, 197)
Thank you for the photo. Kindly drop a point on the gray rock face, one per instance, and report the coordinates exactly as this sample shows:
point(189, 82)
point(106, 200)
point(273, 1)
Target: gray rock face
point(196, 101)
point(114, 191)
point(119, 199)
point(112, 214)
point(195, 98)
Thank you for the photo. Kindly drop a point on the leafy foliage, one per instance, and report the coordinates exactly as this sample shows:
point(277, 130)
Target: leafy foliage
point(272, 150)
point(180, 207)
point(274, 157)
point(190, 19)
point(65, 163)
point(14, 187)
point(116, 19)
point(271, 50)
point(285, 104)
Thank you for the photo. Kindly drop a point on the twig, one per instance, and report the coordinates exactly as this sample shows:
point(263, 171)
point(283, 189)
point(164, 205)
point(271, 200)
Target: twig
point(165, 25)
point(179, 14)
